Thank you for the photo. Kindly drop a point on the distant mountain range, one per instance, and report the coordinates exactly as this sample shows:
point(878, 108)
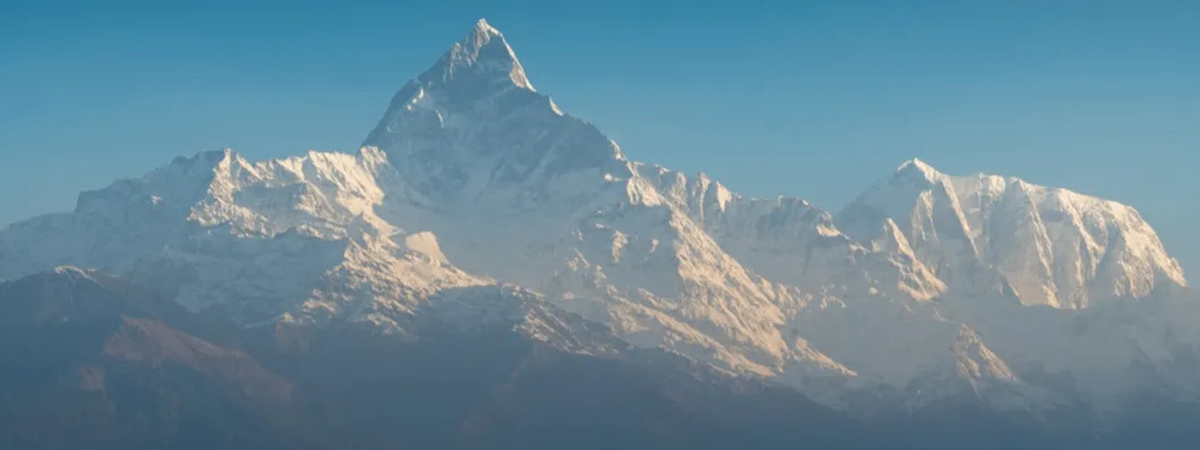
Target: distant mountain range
point(491, 272)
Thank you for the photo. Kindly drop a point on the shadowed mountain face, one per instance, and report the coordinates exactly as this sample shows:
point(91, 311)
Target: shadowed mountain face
point(92, 362)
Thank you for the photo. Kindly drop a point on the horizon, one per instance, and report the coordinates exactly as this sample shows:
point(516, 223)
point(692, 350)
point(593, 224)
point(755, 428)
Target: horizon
point(1067, 106)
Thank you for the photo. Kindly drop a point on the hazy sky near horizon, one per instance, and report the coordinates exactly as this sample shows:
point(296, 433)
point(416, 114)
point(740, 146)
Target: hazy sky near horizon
point(816, 99)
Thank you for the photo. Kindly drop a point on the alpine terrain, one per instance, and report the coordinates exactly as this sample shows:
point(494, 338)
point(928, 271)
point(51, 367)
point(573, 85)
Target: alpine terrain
point(488, 271)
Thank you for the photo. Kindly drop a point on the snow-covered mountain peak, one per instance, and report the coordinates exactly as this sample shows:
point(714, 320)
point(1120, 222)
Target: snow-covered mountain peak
point(916, 169)
point(472, 132)
point(483, 56)
point(1050, 246)
point(296, 237)
point(482, 27)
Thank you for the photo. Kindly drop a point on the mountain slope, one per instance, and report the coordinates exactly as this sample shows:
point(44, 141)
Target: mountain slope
point(292, 239)
point(1052, 246)
point(92, 362)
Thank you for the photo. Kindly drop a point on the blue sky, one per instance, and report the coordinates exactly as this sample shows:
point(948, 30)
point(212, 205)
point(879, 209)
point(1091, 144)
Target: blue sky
point(816, 99)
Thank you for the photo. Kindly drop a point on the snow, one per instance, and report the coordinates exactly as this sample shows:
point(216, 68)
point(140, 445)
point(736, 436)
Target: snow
point(476, 202)
point(1052, 246)
point(295, 236)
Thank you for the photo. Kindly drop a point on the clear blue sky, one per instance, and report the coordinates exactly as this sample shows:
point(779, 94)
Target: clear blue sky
point(816, 99)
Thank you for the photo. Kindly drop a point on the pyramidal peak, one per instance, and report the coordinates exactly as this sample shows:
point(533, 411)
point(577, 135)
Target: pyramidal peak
point(472, 128)
point(484, 30)
point(482, 54)
point(918, 169)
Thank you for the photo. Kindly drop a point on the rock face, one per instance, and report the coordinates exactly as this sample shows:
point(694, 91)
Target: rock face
point(476, 199)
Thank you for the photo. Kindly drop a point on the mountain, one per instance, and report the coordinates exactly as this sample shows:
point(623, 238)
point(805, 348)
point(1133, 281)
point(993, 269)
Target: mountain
point(1050, 246)
point(477, 205)
point(93, 362)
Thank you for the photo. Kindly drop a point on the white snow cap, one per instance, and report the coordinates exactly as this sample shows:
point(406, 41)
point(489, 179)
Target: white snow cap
point(1051, 246)
point(483, 53)
point(482, 27)
point(919, 168)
